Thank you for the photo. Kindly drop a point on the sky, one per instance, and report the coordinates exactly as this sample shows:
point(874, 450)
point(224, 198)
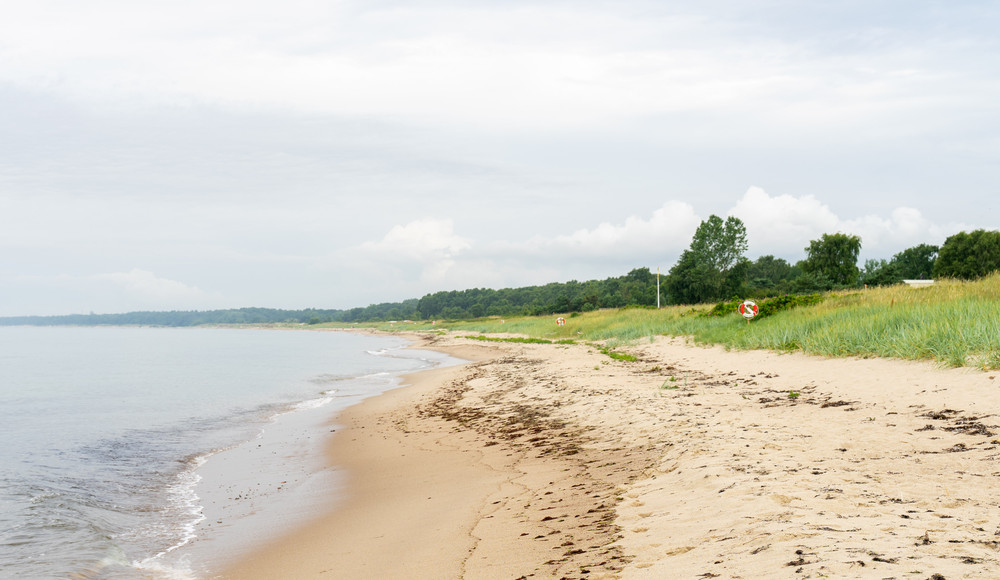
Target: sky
point(181, 154)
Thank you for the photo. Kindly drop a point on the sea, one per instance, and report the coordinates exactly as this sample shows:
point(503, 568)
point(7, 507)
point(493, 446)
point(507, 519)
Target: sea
point(109, 436)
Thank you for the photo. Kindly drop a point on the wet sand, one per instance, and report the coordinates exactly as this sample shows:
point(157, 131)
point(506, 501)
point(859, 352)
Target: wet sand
point(555, 461)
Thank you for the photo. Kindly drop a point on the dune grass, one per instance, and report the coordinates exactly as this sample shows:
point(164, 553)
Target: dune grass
point(953, 322)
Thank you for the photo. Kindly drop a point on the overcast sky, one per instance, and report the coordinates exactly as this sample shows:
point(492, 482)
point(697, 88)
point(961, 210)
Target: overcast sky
point(182, 154)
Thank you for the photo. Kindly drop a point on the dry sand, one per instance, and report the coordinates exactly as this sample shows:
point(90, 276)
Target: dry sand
point(555, 461)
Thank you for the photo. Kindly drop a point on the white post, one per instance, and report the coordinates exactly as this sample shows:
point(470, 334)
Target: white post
point(657, 287)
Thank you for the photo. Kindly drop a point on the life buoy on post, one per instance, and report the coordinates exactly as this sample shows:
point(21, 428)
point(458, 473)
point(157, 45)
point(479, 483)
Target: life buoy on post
point(748, 309)
point(560, 321)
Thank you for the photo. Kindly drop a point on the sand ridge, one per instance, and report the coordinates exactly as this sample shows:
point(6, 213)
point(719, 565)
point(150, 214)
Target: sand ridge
point(555, 461)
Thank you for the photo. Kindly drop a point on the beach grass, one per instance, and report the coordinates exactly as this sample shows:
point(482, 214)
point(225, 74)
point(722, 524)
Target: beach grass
point(956, 323)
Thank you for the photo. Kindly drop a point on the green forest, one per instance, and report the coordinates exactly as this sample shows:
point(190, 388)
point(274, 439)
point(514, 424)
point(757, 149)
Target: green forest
point(714, 268)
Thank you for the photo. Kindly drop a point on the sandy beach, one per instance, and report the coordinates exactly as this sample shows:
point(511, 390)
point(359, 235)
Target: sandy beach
point(555, 461)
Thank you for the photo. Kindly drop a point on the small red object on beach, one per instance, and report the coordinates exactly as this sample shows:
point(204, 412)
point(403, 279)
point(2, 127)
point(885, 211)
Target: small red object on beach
point(748, 309)
point(560, 321)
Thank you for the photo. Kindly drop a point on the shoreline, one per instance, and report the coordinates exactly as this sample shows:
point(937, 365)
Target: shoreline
point(556, 461)
point(277, 480)
point(372, 494)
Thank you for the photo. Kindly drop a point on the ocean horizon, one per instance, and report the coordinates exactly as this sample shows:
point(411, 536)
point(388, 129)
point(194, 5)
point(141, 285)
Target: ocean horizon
point(112, 435)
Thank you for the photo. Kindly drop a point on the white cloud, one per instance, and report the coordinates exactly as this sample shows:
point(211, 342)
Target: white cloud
point(136, 289)
point(430, 250)
point(147, 287)
point(501, 66)
point(667, 230)
point(429, 244)
point(424, 239)
point(427, 255)
point(251, 147)
point(784, 225)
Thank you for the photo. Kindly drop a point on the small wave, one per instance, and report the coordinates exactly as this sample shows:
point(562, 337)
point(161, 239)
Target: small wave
point(400, 353)
point(312, 403)
point(325, 398)
point(185, 503)
point(115, 558)
point(199, 459)
point(184, 497)
point(180, 570)
point(328, 378)
point(42, 497)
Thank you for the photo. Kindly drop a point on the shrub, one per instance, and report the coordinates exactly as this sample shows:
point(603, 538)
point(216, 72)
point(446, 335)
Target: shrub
point(724, 308)
point(776, 304)
point(767, 306)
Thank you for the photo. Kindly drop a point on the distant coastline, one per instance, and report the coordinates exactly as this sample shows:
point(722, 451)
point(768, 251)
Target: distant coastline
point(637, 288)
point(233, 316)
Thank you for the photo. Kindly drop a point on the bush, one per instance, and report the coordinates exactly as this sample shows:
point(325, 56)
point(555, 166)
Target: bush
point(770, 306)
point(767, 306)
point(725, 308)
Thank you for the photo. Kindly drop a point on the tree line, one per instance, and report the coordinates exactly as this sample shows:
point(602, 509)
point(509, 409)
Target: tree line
point(714, 268)
point(637, 288)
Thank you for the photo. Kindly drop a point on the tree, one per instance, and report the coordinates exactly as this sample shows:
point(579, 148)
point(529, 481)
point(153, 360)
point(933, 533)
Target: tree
point(835, 258)
point(880, 273)
point(687, 281)
point(769, 275)
point(714, 266)
point(916, 263)
point(810, 282)
point(969, 255)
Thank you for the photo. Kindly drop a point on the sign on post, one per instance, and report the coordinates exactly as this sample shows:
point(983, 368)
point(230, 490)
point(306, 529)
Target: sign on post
point(748, 309)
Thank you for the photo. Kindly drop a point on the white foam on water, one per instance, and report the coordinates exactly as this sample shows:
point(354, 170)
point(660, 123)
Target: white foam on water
point(314, 403)
point(180, 570)
point(272, 482)
point(279, 480)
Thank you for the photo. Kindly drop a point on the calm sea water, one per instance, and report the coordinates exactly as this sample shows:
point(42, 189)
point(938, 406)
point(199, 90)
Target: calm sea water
point(103, 429)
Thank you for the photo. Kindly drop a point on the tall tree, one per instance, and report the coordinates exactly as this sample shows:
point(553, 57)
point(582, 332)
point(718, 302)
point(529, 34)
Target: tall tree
point(714, 266)
point(769, 274)
point(835, 258)
point(880, 273)
point(916, 263)
point(969, 255)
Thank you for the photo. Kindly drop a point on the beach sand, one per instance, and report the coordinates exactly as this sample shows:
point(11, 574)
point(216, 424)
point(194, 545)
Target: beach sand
point(555, 461)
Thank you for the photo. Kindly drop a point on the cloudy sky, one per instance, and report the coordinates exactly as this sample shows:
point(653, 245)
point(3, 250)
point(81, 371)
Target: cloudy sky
point(182, 154)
